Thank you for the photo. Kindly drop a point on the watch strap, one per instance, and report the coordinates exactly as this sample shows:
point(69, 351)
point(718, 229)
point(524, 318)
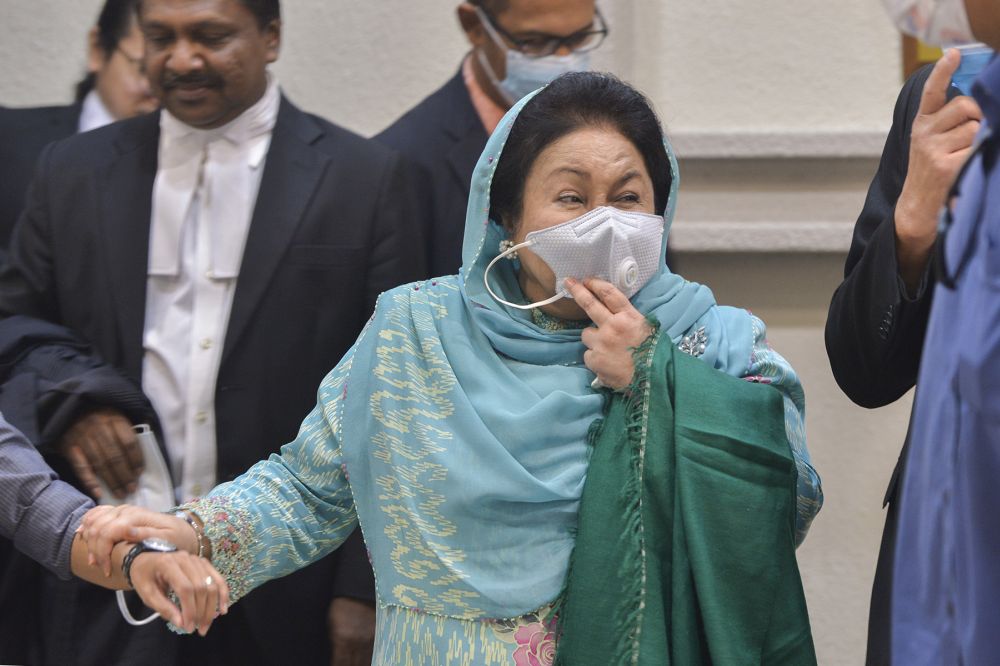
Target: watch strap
point(127, 562)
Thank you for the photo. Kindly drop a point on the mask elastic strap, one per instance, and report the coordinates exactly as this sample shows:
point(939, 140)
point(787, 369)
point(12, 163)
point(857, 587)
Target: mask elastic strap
point(484, 62)
point(491, 75)
point(123, 607)
point(486, 281)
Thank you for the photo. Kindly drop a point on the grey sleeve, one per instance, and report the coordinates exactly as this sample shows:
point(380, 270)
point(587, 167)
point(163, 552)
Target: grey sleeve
point(38, 512)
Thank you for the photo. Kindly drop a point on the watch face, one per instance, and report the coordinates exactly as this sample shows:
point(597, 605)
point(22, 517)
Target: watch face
point(158, 545)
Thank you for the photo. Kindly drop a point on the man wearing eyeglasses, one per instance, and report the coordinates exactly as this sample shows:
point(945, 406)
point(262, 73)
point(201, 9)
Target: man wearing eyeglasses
point(114, 88)
point(517, 46)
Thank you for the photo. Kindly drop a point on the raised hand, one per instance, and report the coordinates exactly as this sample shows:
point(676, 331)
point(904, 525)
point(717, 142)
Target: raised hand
point(940, 143)
point(620, 329)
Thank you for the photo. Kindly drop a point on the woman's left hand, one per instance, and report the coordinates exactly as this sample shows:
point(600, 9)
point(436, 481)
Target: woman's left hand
point(202, 592)
point(620, 329)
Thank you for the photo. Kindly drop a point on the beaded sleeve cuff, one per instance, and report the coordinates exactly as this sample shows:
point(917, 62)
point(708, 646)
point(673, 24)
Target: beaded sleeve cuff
point(230, 531)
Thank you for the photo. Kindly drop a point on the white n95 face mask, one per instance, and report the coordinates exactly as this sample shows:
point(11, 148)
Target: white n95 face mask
point(938, 22)
point(621, 247)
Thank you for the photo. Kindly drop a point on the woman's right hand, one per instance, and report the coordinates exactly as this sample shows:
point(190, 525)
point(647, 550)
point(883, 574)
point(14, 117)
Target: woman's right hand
point(200, 590)
point(619, 330)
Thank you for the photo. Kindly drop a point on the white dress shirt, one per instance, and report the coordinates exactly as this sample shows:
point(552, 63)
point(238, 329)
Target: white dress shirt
point(203, 199)
point(93, 113)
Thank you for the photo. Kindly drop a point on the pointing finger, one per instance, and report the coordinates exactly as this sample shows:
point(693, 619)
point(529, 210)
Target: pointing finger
point(935, 93)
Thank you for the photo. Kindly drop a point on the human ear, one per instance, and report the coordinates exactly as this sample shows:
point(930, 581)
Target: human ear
point(96, 57)
point(272, 32)
point(471, 25)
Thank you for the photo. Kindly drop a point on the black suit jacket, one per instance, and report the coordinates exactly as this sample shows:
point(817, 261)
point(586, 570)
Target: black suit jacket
point(23, 134)
point(875, 331)
point(445, 137)
point(330, 231)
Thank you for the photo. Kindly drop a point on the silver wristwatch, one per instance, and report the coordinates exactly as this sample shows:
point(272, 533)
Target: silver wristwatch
point(151, 545)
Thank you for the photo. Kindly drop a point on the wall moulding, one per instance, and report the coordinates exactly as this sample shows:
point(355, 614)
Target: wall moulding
point(780, 237)
point(773, 144)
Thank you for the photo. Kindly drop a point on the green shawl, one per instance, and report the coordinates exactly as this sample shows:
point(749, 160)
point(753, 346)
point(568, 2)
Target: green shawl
point(685, 549)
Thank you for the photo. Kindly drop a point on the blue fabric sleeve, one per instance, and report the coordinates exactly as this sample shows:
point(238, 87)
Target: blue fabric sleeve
point(38, 512)
point(287, 511)
point(769, 367)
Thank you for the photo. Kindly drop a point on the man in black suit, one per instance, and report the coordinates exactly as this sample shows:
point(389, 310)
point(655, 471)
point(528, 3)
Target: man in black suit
point(517, 46)
point(878, 315)
point(222, 255)
point(114, 88)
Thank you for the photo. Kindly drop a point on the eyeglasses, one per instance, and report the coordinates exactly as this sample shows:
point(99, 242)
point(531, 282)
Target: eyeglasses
point(137, 64)
point(944, 274)
point(541, 45)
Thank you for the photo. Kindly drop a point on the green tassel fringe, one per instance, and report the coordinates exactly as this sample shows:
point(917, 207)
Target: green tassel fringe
point(628, 616)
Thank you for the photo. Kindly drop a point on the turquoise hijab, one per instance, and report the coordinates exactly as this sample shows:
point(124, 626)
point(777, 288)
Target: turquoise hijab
point(466, 424)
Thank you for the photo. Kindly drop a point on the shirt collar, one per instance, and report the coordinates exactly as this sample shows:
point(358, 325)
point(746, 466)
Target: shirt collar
point(255, 122)
point(986, 90)
point(233, 152)
point(93, 113)
point(490, 113)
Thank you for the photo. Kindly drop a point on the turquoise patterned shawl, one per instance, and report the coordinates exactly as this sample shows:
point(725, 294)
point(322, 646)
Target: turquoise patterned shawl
point(464, 425)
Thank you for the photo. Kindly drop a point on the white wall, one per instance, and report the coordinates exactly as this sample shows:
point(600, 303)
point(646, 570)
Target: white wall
point(808, 85)
point(709, 65)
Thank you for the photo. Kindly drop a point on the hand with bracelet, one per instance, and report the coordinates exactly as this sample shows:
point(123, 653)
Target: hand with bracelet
point(170, 554)
point(104, 526)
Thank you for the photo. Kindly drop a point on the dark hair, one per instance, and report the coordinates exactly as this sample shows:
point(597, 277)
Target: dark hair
point(112, 26)
point(265, 11)
point(571, 102)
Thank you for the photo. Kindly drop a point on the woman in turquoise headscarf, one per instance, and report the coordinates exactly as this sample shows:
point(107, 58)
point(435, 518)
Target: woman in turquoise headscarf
point(458, 429)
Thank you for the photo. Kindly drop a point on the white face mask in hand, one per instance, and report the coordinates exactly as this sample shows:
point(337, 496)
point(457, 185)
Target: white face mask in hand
point(938, 22)
point(156, 488)
point(621, 247)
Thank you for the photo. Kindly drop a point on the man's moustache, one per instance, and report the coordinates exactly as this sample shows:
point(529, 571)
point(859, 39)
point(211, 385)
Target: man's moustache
point(188, 81)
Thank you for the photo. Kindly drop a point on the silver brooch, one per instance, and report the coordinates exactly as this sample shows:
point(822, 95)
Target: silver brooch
point(694, 344)
point(505, 245)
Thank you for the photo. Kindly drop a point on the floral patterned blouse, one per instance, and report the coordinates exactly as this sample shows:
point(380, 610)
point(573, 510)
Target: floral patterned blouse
point(296, 507)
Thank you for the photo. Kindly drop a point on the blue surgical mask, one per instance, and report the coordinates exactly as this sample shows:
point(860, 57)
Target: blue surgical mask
point(526, 74)
point(975, 57)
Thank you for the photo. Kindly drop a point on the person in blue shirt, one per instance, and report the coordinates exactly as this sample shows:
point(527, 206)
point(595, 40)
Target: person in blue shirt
point(878, 314)
point(946, 576)
point(38, 512)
